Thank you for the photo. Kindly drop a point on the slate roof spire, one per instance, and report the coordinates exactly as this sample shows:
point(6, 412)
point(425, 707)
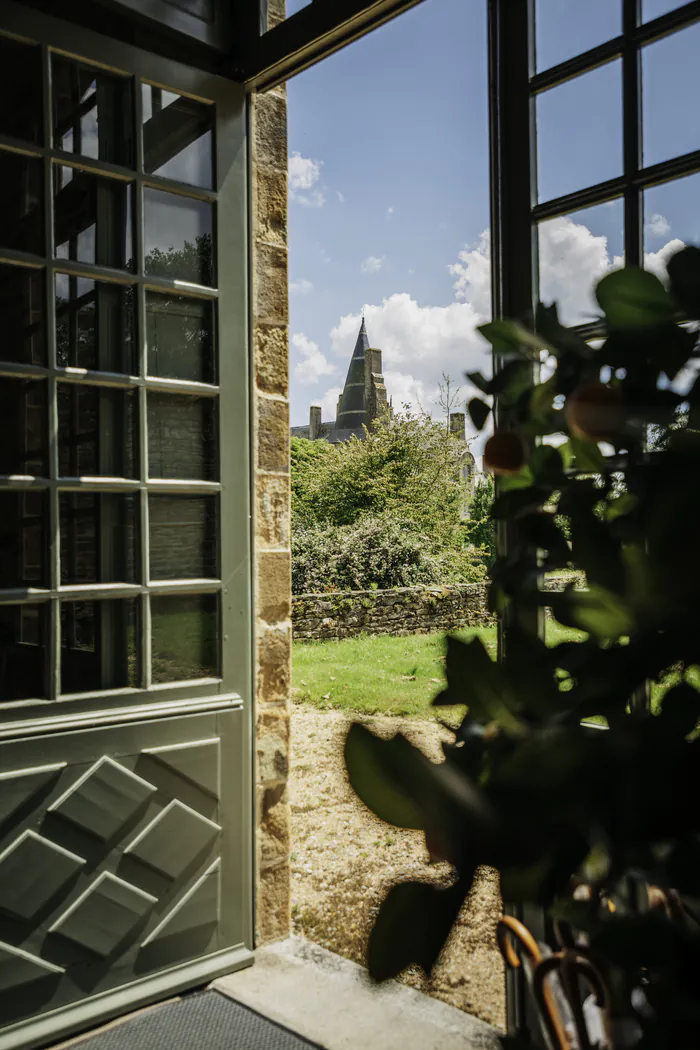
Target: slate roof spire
point(352, 409)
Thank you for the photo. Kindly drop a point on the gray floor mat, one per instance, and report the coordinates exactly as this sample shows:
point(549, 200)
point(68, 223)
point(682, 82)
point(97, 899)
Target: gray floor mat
point(203, 1021)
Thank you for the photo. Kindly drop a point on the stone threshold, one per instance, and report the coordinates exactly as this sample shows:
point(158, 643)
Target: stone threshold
point(331, 1001)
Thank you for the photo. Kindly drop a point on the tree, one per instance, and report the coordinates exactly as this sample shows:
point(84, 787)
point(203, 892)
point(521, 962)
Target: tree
point(449, 397)
point(480, 530)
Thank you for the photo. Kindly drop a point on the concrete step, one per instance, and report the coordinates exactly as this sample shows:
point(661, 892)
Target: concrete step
point(331, 1001)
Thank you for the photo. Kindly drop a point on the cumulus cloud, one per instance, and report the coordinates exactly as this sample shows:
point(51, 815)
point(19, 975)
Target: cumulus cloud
point(473, 275)
point(312, 364)
point(373, 263)
point(301, 286)
point(304, 175)
point(657, 261)
point(657, 226)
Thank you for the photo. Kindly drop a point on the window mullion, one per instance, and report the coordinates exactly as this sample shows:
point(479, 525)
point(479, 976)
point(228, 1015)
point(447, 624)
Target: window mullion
point(632, 133)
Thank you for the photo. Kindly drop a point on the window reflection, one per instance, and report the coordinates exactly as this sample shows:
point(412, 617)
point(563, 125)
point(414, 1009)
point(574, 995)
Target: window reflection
point(182, 537)
point(23, 533)
point(98, 538)
point(670, 76)
point(92, 112)
point(178, 237)
point(181, 437)
point(96, 431)
point(99, 645)
point(185, 637)
point(180, 337)
point(22, 212)
point(23, 427)
point(22, 313)
point(177, 137)
point(20, 91)
point(94, 325)
point(92, 218)
point(23, 652)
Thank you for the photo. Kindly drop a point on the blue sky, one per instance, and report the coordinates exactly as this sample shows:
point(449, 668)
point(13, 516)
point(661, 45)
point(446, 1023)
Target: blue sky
point(388, 143)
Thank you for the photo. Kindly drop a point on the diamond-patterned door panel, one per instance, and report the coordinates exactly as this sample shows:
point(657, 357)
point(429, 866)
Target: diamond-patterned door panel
point(104, 914)
point(174, 839)
point(103, 798)
point(197, 762)
point(32, 870)
point(19, 786)
point(198, 907)
point(18, 968)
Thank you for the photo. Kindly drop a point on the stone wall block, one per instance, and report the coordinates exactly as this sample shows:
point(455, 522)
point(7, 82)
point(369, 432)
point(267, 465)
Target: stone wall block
point(270, 131)
point(272, 425)
point(273, 586)
point(272, 519)
point(272, 359)
point(271, 194)
point(274, 663)
point(272, 746)
point(271, 284)
point(273, 914)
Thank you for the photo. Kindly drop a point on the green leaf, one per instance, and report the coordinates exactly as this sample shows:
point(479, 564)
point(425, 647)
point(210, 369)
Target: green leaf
point(620, 506)
point(475, 680)
point(542, 396)
point(680, 709)
point(479, 381)
point(633, 300)
point(547, 465)
point(599, 612)
point(588, 455)
point(684, 274)
point(510, 337)
point(479, 412)
point(378, 770)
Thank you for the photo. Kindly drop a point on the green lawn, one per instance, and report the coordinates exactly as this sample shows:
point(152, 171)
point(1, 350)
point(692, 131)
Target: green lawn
point(379, 674)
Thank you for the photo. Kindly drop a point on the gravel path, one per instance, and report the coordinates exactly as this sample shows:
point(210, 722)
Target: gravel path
point(344, 859)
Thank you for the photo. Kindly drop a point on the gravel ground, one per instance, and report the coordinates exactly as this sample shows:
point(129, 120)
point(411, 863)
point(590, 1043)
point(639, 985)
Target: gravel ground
point(344, 859)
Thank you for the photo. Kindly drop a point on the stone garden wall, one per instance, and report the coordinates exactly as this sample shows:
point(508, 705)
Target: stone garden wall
point(405, 610)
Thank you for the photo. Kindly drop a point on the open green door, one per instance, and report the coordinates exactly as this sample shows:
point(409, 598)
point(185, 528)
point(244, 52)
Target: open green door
point(125, 605)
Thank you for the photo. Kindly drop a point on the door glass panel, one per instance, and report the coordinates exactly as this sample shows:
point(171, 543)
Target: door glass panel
point(178, 237)
point(182, 537)
point(569, 156)
point(23, 427)
point(23, 654)
point(22, 313)
point(92, 218)
point(177, 137)
point(656, 8)
point(20, 91)
point(96, 431)
point(180, 337)
point(182, 437)
point(671, 219)
point(670, 76)
point(95, 325)
point(566, 28)
point(92, 112)
point(575, 251)
point(185, 637)
point(22, 212)
point(23, 534)
point(99, 645)
point(98, 538)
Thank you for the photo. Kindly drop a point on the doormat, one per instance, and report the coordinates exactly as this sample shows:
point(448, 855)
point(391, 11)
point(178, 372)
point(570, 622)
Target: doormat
point(202, 1021)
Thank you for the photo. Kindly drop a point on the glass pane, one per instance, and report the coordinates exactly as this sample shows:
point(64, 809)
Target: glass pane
point(92, 219)
point(99, 645)
point(20, 91)
point(670, 80)
point(565, 28)
point(185, 637)
point(23, 427)
point(23, 535)
point(182, 437)
point(22, 212)
point(656, 8)
point(98, 538)
point(575, 251)
point(177, 137)
point(96, 431)
point(183, 537)
point(95, 325)
point(671, 219)
point(180, 337)
point(92, 112)
point(22, 313)
point(178, 237)
point(23, 652)
point(573, 120)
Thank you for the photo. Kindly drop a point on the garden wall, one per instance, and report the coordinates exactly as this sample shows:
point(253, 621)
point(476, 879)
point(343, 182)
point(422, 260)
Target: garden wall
point(405, 610)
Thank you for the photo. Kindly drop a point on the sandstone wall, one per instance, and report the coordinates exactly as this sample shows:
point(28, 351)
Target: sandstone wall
point(272, 506)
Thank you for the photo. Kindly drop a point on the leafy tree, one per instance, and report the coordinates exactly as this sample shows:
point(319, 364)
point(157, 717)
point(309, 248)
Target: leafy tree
point(479, 528)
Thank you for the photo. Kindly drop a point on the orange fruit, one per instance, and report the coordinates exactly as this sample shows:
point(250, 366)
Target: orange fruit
point(595, 411)
point(504, 453)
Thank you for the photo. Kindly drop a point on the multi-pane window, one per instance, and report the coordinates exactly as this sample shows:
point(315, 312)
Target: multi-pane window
point(110, 572)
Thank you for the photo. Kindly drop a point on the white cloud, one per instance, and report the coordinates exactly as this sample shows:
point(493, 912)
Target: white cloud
point(301, 287)
point(656, 261)
point(389, 212)
point(312, 364)
point(473, 273)
point(657, 226)
point(304, 175)
point(340, 196)
point(373, 263)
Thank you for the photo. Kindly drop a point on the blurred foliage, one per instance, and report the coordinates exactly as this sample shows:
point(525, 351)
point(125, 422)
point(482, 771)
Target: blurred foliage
point(526, 786)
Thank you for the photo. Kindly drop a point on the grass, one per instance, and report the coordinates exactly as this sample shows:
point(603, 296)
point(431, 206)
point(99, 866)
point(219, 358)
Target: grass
point(381, 674)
